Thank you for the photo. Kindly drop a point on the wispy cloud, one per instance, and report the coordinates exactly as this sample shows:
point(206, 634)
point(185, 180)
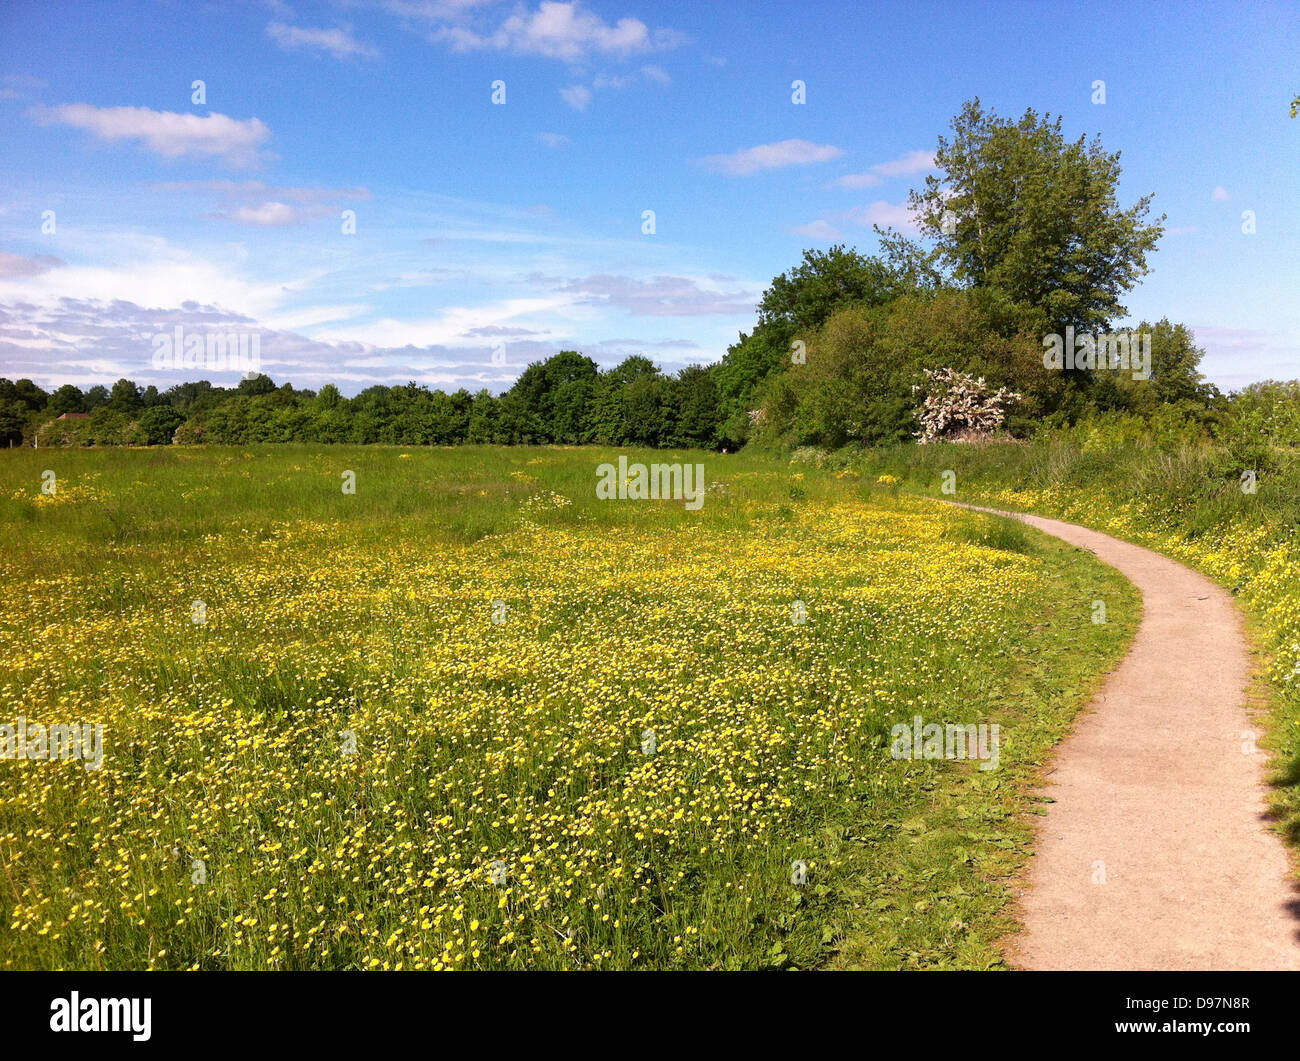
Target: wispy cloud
point(580, 96)
point(905, 166)
point(882, 213)
point(339, 42)
point(562, 31)
point(265, 215)
point(819, 230)
point(658, 296)
point(165, 133)
point(577, 96)
point(897, 215)
point(454, 324)
point(1220, 195)
point(553, 140)
point(255, 190)
point(18, 265)
point(912, 162)
point(19, 86)
point(750, 160)
point(265, 205)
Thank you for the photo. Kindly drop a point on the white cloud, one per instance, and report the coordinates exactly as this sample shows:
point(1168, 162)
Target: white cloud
point(577, 96)
point(899, 215)
point(819, 230)
point(858, 180)
point(294, 320)
point(905, 166)
point(436, 10)
point(554, 140)
point(563, 31)
point(265, 205)
point(452, 325)
point(17, 265)
point(772, 156)
point(267, 215)
point(884, 214)
point(1220, 195)
point(256, 191)
point(580, 97)
point(165, 133)
point(337, 42)
point(18, 86)
point(659, 296)
point(160, 276)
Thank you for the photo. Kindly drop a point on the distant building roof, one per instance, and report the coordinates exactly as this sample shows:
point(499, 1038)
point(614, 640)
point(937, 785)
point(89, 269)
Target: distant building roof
point(74, 416)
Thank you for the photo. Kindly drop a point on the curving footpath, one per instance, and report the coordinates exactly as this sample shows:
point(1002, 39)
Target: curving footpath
point(1157, 852)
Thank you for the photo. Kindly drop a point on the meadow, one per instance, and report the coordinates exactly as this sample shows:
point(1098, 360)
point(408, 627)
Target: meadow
point(471, 716)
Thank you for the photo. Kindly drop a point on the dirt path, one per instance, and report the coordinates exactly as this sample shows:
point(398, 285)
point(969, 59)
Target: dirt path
point(1153, 786)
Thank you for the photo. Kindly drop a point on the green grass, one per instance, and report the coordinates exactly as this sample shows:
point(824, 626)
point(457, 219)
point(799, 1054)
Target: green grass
point(368, 612)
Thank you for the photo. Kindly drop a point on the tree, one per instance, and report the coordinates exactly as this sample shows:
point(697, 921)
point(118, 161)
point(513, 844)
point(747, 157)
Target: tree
point(328, 398)
point(193, 397)
point(1174, 377)
point(67, 399)
point(553, 396)
point(750, 361)
point(13, 419)
point(805, 296)
point(629, 404)
point(111, 427)
point(25, 391)
point(258, 384)
point(125, 397)
point(1017, 207)
point(483, 419)
point(797, 303)
point(647, 410)
point(695, 398)
point(159, 424)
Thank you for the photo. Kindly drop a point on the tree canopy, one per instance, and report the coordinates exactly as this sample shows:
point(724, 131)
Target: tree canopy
point(1017, 207)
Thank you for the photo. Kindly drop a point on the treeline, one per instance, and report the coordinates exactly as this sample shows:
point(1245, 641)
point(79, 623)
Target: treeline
point(1022, 248)
point(565, 399)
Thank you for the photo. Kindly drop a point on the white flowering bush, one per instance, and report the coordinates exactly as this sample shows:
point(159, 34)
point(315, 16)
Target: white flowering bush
point(961, 408)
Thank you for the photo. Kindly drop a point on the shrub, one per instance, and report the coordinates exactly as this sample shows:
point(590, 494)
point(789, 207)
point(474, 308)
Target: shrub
point(959, 407)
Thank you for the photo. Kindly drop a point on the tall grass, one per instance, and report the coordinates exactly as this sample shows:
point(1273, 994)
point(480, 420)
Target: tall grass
point(230, 828)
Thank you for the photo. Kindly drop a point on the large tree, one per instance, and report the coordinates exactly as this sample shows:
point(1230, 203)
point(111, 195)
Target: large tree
point(1018, 207)
point(797, 303)
point(805, 296)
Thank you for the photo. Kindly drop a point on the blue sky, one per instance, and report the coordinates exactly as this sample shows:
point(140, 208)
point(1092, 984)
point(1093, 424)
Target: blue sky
point(491, 235)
